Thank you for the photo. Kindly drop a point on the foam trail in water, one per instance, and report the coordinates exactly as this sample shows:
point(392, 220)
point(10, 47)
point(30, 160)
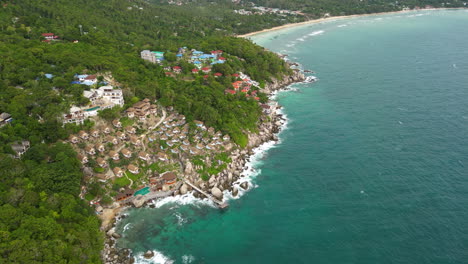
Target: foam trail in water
point(316, 33)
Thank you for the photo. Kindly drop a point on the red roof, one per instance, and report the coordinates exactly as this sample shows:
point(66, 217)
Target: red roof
point(218, 74)
point(90, 77)
point(230, 91)
point(206, 76)
point(47, 34)
point(205, 69)
point(194, 70)
point(168, 73)
point(244, 90)
point(246, 80)
point(254, 92)
point(257, 98)
point(235, 75)
point(176, 67)
point(222, 58)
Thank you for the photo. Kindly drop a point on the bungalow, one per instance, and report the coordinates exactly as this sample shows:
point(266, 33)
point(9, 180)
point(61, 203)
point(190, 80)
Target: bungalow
point(20, 147)
point(111, 139)
point(200, 146)
point(226, 137)
point(49, 36)
point(90, 150)
point(194, 151)
point(73, 139)
point(175, 151)
point(169, 74)
point(195, 71)
point(114, 155)
point(156, 183)
point(94, 133)
point(126, 153)
point(216, 52)
point(5, 118)
point(124, 195)
point(170, 143)
point(229, 91)
point(176, 130)
point(236, 75)
point(184, 148)
point(83, 135)
point(133, 169)
point(206, 76)
point(118, 172)
point(266, 108)
point(198, 123)
point(186, 142)
point(211, 130)
point(106, 130)
point(162, 156)
point(153, 109)
point(121, 135)
point(169, 177)
point(117, 123)
point(144, 156)
point(135, 140)
point(206, 69)
point(130, 130)
point(151, 137)
point(102, 177)
point(164, 137)
point(169, 134)
point(101, 162)
point(100, 147)
point(218, 74)
point(177, 69)
point(131, 112)
point(83, 159)
point(90, 80)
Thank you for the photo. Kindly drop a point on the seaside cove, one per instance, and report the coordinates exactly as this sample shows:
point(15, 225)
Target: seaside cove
point(370, 168)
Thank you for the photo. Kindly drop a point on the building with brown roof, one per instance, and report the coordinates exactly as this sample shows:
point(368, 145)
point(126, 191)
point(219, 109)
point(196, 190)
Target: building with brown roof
point(169, 177)
point(135, 140)
point(121, 135)
point(118, 172)
point(100, 147)
point(114, 155)
point(94, 133)
point(111, 139)
point(127, 193)
point(116, 123)
point(126, 153)
point(83, 159)
point(133, 169)
point(73, 139)
point(130, 129)
point(90, 150)
point(83, 135)
point(101, 162)
point(144, 156)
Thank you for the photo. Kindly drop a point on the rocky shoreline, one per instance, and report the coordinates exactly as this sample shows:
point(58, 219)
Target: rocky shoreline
point(228, 180)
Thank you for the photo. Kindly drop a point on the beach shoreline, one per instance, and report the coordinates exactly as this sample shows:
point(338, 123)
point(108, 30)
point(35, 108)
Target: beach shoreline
point(333, 18)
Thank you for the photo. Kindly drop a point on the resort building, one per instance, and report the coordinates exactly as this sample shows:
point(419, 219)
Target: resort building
point(169, 178)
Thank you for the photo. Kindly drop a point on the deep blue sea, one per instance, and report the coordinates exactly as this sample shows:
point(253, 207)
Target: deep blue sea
point(373, 164)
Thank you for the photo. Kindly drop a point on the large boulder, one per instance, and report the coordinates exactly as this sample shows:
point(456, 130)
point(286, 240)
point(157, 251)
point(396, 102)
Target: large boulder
point(148, 254)
point(244, 185)
point(235, 192)
point(183, 189)
point(217, 193)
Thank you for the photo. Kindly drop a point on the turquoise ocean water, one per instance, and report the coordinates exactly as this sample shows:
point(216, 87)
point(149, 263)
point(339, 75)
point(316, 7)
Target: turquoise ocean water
point(373, 165)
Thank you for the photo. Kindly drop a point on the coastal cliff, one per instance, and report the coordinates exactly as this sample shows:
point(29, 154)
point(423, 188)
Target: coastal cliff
point(229, 180)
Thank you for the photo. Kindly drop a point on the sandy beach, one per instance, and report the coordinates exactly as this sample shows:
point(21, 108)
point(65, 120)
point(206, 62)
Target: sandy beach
point(316, 21)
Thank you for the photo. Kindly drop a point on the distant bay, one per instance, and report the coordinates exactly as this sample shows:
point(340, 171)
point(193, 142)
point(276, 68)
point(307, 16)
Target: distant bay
point(372, 168)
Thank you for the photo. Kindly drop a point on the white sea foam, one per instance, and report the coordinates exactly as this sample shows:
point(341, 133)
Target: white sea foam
point(316, 33)
point(182, 200)
point(342, 25)
point(158, 258)
point(127, 226)
point(187, 259)
point(301, 39)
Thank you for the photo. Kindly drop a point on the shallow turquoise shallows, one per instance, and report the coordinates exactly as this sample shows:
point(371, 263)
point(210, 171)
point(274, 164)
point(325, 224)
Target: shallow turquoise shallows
point(373, 167)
